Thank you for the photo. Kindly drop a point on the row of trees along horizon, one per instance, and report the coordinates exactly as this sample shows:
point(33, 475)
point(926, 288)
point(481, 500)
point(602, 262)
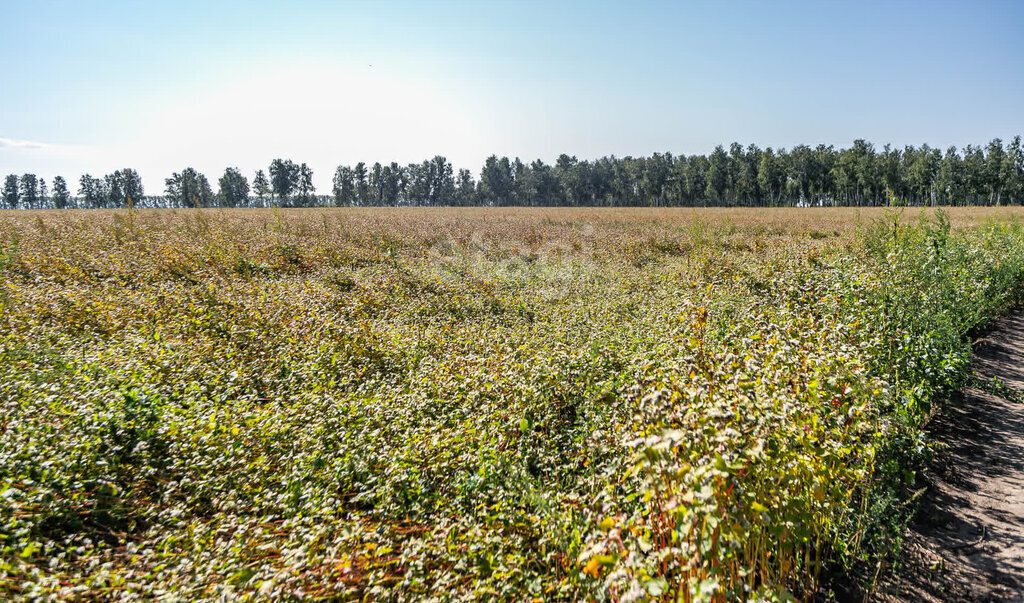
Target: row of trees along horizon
point(737, 176)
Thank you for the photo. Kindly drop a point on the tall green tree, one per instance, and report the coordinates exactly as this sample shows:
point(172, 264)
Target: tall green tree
point(496, 181)
point(123, 188)
point(376, 182)
point(696, 178)
point(803, 173)
point(61, 196)
point(865, 179)
point(718, 176)
point(442, 181)
point(1013, 168)
point(521, 183)
point(12, 191)
point(189, 188)
point(304, 185)
point(417, 190)
point(29, 189)
point(771, 177)
point(465, 192)
point(545, 188)
point(115, 196)
point(655, 178)
point(362, 183)
point(975, 178)
point(260, 185)
point(284, 179)
point(995, 171)
point(949, 178)
point(888, 171)
point(92, 190)
point(602, 175)
point(234, 189)
point(344, 188)
point(747, 184)
point(574, 176)
point(922, 173)
point(390, 184)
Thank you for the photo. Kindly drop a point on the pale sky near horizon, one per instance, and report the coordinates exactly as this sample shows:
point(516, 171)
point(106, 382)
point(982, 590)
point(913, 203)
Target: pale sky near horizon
point(159, 86)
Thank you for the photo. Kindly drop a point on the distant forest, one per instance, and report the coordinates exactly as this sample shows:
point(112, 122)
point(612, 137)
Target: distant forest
point(737, 176)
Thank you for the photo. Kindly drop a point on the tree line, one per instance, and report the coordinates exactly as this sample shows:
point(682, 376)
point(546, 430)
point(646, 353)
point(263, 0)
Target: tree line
point(738, 176)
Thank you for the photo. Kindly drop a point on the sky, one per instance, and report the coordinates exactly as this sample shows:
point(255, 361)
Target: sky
point(92, 87)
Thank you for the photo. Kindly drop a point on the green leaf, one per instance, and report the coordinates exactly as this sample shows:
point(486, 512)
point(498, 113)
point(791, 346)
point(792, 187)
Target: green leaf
point(29, 550)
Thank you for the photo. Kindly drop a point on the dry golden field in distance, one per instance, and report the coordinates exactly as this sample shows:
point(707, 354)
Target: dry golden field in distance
point(789, 219)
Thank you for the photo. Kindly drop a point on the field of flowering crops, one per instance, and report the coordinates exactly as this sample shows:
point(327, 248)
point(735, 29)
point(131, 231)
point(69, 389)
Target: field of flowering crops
point(372, 404)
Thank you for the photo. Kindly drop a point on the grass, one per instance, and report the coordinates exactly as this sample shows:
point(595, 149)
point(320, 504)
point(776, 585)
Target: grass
point(396, 404)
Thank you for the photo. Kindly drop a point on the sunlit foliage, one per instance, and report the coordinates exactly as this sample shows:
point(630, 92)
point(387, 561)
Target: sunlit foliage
point(399, 405)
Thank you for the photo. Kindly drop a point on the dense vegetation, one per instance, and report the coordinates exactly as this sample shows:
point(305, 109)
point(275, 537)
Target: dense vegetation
point(859, 175)
point(396, 404)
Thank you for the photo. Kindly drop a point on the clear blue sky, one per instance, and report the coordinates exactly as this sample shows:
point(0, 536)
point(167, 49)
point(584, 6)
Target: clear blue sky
point(158, 86)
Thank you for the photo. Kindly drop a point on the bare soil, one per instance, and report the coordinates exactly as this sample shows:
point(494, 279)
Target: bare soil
point(966, 542)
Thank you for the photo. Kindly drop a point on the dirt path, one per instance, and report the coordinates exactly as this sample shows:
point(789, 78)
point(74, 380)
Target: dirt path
point(967, 541)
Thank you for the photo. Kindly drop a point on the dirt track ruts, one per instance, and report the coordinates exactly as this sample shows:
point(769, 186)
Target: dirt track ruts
point(966, 542)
